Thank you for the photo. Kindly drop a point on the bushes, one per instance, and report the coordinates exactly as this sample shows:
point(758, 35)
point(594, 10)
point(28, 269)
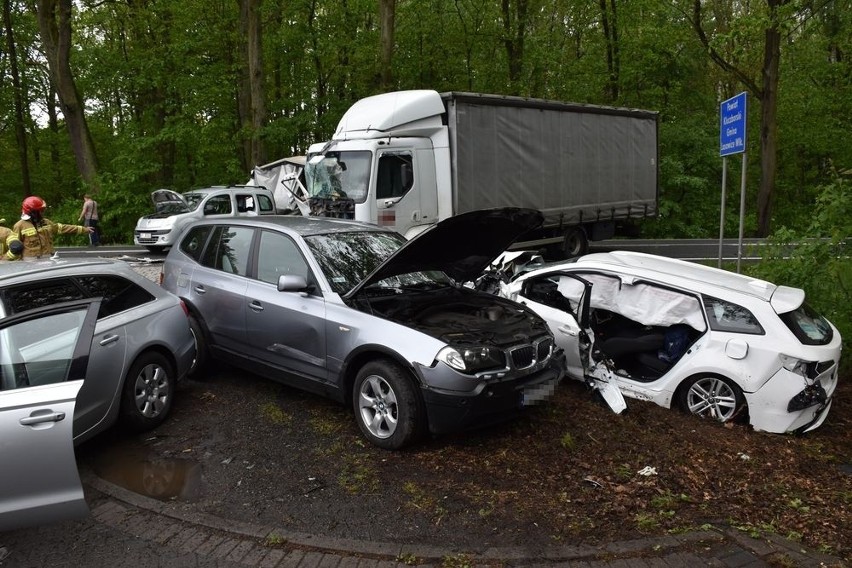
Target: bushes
point(819, 263)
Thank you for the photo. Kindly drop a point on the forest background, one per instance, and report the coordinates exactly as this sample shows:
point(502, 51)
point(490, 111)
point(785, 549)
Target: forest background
point(121, 97)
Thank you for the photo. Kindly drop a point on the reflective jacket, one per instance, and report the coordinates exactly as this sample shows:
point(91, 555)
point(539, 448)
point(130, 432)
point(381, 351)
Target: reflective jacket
point(5, 254)
point(38, 240)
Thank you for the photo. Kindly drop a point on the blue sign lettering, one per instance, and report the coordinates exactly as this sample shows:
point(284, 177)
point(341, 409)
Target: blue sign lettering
point(732, 126)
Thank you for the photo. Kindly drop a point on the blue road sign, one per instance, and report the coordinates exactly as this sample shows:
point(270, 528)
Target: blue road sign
point(732, 126)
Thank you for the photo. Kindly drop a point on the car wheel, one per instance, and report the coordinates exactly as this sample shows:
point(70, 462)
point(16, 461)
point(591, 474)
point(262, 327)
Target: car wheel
point(387, 407)
point(147, 394)
point(199, 367)
point(711, 396)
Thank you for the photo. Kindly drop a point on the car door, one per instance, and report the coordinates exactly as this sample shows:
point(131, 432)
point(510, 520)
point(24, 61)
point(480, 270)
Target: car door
point(562, 299)
point(285, 329)
point(43, 363)
point(217, 286)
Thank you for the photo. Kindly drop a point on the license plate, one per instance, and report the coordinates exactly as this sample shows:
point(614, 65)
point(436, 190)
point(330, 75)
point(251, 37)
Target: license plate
point(538, 393)
point(144, 235)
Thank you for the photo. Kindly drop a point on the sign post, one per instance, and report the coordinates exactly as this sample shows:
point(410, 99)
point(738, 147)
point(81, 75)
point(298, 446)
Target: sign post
point(732, 140)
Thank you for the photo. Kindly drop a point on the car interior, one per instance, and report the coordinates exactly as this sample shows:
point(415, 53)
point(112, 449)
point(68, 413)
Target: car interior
point(642, 329)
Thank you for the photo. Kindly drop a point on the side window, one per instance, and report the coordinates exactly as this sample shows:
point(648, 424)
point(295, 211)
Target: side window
point(395, 176)
point(727, 316)
point(279, 255)
point(265, 204)
point(228, 250)
point(245, 203)
point(193, 242)
point(218, 205)
point(39, 351)
point(47, 293)
point(119, 294)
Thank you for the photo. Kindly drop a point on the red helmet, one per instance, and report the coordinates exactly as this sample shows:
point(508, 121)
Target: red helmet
point(33, 204)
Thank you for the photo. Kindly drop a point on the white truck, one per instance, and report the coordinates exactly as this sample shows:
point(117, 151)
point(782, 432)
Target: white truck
point(409, 159)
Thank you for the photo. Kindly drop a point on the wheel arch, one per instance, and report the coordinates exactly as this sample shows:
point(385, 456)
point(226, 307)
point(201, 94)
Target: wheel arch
point(365, 354)
point(688, 380)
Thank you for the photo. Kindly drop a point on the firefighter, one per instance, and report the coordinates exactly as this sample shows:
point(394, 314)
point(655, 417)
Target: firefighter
point(5, 252)
point(34, 234)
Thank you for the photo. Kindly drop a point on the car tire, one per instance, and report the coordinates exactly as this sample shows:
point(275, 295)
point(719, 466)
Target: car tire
point(201, 363)
point(712, 396)
point(387, 406)
point(148, 392)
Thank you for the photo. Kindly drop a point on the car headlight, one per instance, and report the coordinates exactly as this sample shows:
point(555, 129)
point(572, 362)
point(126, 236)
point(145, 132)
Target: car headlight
point(472, 359)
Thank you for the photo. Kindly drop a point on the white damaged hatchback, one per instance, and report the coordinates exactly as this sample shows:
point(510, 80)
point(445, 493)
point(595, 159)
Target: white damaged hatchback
point(716, 344)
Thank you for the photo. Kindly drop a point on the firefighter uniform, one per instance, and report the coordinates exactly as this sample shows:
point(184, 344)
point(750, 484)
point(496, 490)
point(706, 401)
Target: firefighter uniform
point(37, 239)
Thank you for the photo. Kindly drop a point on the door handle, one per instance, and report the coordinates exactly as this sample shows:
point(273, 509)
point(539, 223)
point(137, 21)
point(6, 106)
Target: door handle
point(109, 339)
point(256, 306)
point(200, 289)
point(41, 418)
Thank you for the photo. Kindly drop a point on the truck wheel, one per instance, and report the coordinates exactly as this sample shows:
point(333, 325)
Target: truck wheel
point(575, 243)
point(387, 406)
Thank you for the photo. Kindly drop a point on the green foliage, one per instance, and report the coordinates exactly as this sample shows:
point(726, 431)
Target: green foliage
point(160, 80)
point(819, 263)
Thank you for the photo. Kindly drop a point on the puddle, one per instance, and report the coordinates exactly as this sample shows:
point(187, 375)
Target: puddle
point(166, 479)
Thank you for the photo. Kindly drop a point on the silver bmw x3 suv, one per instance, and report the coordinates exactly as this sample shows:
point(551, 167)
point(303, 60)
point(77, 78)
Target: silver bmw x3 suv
point(354, 312)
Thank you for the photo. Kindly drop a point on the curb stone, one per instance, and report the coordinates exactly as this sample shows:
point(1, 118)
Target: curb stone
point(265, 545)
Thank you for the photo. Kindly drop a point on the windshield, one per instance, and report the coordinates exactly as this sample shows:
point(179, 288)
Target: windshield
point(339, 174)
point(347, 258)
point(192, 200)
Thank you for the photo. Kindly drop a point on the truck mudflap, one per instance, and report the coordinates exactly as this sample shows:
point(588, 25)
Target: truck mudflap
point(338, 208)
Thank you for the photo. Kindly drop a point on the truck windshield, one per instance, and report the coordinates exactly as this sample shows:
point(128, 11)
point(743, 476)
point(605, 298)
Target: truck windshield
point(339, 175)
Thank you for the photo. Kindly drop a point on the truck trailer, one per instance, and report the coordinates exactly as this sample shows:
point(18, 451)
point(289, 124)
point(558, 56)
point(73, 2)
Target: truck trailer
point(409, 159)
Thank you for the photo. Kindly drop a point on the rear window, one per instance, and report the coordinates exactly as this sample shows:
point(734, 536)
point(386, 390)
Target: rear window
point(808, 326)
point(119, 294)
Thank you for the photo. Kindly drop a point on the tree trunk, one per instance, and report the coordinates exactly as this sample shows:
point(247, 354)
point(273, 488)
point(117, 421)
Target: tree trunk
point(387, 13)
point(20, 130)
point(54, 20)
point(514, 34)
point(609, 24)
point(252, 104)
point(769, 123)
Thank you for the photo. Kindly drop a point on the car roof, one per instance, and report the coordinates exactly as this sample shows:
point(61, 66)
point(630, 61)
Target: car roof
point(10, 270)
point(304, 226)
point(688, 275)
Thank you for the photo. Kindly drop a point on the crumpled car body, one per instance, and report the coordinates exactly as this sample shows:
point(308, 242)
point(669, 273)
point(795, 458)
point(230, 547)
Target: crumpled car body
point(714, 343)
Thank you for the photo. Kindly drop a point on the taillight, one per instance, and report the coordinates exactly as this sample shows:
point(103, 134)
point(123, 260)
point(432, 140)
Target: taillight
point(185, 309)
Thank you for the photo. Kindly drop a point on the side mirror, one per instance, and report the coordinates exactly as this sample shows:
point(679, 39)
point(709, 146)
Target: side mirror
point(292, 283)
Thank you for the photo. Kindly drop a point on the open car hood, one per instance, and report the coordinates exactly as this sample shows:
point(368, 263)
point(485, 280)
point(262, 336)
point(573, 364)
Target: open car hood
point(461, 246)
point(167, 197)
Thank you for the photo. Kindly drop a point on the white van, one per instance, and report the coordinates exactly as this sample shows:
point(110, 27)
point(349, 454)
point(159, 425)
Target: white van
point(174, 210)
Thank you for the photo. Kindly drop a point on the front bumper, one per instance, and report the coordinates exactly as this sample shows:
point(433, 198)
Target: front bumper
point(489, 402)
point(152, 237)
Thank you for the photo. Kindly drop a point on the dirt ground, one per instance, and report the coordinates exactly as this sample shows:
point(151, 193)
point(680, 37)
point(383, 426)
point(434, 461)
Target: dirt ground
point(567, 472)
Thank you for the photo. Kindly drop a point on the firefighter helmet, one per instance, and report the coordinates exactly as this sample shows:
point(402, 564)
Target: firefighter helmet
point(33, 204)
